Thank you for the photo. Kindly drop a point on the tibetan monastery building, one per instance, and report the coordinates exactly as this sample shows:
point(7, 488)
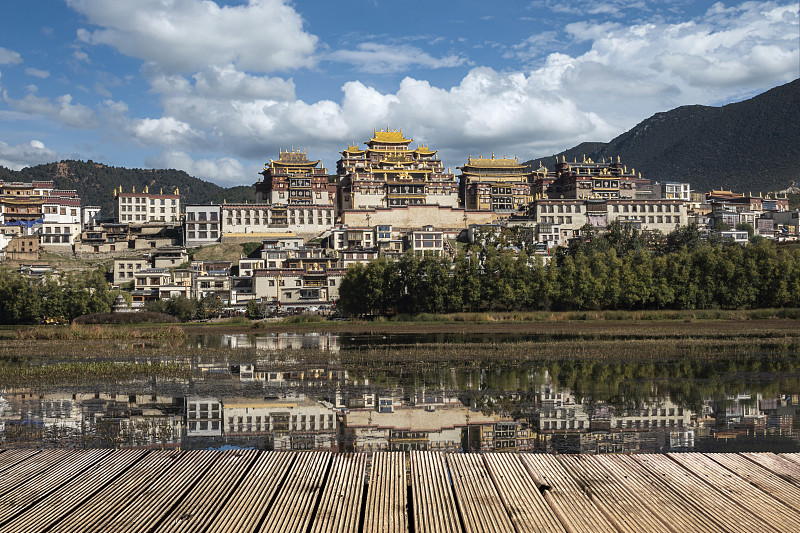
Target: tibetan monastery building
point(295, 180)
point(389, 174)
point(608, 180)
point(500, 185)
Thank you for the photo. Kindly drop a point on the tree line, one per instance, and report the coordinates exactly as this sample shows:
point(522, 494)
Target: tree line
point(24, 300)
point(622, 268)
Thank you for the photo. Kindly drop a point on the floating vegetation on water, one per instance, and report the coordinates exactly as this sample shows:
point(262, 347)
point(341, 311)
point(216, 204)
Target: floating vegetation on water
point(81, 332)
point(82, 372)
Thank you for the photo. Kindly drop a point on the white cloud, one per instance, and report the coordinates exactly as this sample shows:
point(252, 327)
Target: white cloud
point(26, 155)
point(165, 131)
point(224, 170)
point(228, 83)
point(61, 109)
point(381, 58)
point(35, 72)
point(188, 35)
point(9, 57)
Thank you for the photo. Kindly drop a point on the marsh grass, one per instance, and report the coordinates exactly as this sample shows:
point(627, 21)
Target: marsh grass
point(89, 332)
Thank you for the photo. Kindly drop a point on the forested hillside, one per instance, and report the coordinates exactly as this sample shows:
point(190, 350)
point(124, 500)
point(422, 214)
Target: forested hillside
point(752, 145)
point(96, 182)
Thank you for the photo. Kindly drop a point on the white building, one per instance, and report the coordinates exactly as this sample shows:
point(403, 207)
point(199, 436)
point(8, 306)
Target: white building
point(203, 225)
point(142, 208)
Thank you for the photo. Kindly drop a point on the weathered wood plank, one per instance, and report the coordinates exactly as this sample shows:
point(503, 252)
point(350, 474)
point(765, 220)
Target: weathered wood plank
point(476, 495)
point(715, 504)
point(387, 495)
point(70, 496)
point(205, 499)
point(253, 498)
point(295, 505)
point(656, 496)
point(433, 501)
point(525, 505)
point(340, 507)
point(780, 489)
point(569, 502)
point(759, 503)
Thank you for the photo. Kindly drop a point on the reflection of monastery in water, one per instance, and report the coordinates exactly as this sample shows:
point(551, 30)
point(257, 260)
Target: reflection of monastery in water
point(328, 342)
point(267, 406)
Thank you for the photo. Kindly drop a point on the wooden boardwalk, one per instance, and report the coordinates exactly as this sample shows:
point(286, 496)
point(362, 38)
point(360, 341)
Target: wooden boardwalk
point(249, 491)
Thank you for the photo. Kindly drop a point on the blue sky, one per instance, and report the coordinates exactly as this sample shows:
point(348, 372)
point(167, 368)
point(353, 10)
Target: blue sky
point(218, 88)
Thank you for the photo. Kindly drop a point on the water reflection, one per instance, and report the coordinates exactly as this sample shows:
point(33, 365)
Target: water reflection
point(329, 407)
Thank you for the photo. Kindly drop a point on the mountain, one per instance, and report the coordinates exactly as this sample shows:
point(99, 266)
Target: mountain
point(95, 183)
point(753, 145)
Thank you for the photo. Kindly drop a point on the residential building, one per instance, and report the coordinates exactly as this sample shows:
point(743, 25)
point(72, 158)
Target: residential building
point(146, 207)
point(203, 225)
point(126, 267)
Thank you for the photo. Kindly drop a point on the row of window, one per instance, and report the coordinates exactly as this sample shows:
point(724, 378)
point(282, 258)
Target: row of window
point(139, 200)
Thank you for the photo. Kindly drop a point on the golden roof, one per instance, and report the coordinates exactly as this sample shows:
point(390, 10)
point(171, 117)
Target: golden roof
point(424, 150)
point(292, 157)
point(492, 163)
point(395, 136)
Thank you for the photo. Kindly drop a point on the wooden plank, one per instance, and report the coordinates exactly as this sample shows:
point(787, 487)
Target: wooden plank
point(525, 505)
point(778, 465)
point(70, 496)
point(23, 471)
point(387, 494)
point(569, 502)
point(657, 496)
point(119, 493)
point(294, 507)
point(39, 487)
point(725, 511)
point(476, 495)
point(205, 499)
point(786, 492)
point(758, 502)
point(149, 507)
point(433, 501)
point(340, 506)
point(10, 458)
point(620, 506)
point(253, 498)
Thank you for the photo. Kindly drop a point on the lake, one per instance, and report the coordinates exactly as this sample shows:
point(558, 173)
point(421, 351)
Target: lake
point(453, 391)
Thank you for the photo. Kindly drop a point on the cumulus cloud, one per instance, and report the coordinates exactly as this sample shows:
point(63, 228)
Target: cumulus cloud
point(187, 35)
point(632, 71)
point(25, 155)
point(35, 72)
point(225, 170)
point(9, 57)
point(383, 59)
point(165, 131)
point(61, 109)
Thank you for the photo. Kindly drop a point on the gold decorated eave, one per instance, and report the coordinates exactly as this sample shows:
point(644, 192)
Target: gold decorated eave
point(389, 136)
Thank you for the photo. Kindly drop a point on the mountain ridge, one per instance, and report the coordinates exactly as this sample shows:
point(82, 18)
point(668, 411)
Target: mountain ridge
point(749, 145)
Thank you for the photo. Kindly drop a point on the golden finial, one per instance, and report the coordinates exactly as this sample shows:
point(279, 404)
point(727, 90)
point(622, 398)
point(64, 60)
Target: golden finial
point(146, 189)
point(176, 191)
point(161, 191)
point(134, 188)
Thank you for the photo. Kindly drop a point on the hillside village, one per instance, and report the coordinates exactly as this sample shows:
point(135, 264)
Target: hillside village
point(385, 199)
